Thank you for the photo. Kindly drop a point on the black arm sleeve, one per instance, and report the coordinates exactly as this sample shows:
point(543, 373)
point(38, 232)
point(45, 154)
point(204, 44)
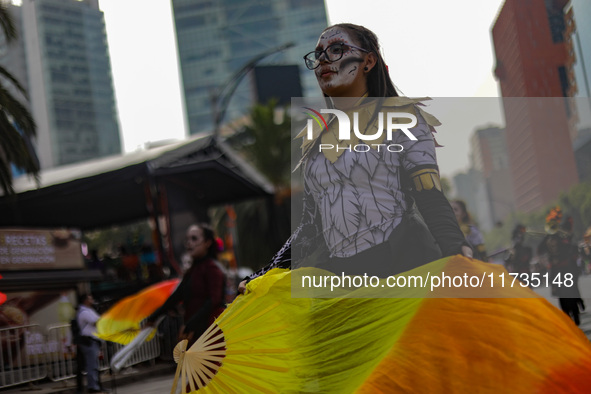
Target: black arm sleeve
point(425, 189)
point(200, 317)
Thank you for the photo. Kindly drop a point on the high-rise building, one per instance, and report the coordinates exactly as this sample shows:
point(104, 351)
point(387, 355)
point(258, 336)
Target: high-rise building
point(489, 157)
point(215, 39)
point(531, 58)
point(578, 20)
point(582, 147)
point(62, 59)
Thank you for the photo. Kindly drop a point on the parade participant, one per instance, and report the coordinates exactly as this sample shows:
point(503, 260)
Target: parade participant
point(562, 254)
point(585, 252)
point(202, 289)
point(469, 229)
point(520, 255)
point(348, 64)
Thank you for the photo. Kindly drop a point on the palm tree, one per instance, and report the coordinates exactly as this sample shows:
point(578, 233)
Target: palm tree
point(17, 126)
point(263, 226)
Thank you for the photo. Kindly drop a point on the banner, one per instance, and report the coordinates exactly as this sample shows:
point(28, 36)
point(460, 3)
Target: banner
point(22, 249)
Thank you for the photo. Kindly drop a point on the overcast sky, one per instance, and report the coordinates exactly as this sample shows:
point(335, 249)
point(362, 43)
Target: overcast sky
point(433, 48)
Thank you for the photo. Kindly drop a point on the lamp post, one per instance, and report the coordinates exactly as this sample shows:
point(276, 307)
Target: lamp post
point(220, 98)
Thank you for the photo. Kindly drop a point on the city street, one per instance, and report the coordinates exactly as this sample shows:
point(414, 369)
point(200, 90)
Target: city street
point(160, 384)
point(585, 288)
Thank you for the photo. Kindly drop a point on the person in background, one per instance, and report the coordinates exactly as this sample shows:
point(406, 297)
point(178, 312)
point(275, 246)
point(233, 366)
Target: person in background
point(131, 264)
point(562, 253)
point(88, 343)
point(520, 255)
point(469, 229)
point(151, 269)
point(585, 252)
point(202, 289)
point(563, 274)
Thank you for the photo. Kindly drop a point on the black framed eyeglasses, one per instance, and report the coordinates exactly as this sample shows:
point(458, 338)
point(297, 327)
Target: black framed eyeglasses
point(332, 53)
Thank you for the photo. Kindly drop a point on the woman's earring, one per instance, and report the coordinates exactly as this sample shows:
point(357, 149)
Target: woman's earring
point(365, 68)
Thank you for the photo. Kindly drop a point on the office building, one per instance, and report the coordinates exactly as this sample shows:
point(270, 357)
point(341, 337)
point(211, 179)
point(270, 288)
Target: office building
point(531, 59)
point(216, 39)
point(62, 58)
point(578, 38)
point(489, 158)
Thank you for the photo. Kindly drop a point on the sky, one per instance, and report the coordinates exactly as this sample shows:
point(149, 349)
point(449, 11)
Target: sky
point(433, 48)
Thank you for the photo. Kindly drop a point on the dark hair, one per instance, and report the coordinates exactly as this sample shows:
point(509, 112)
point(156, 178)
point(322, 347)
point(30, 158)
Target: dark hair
point(379, 83)
point(209, 235)
point(466, 218)
point(518, 230)
point(82, 298)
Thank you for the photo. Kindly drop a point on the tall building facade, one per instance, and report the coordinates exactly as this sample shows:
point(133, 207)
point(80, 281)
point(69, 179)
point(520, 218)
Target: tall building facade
point(62, 58)
point(490, 159)
point(531, 58)
point(578, 20)
point(215, 39)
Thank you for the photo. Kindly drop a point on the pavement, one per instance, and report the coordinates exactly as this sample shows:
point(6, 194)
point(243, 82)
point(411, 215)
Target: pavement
point(125, 377)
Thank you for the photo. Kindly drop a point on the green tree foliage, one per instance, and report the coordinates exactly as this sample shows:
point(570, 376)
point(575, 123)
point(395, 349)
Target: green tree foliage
point(266, 142)
point(262, 226)
point(17, 126)
point(575, 203)
point(107, 241)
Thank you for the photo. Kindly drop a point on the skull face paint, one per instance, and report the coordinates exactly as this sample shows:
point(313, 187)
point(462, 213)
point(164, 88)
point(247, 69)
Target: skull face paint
point(344, 77)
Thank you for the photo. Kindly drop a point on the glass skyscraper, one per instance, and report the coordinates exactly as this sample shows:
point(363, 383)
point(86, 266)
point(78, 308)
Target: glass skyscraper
point(68, 77)
point(215, 39)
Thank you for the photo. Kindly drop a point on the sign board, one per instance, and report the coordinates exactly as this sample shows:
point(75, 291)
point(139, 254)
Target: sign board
point(25, 249)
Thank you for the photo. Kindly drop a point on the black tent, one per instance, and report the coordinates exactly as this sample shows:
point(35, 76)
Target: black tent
point(187, 176)
point(176, 182)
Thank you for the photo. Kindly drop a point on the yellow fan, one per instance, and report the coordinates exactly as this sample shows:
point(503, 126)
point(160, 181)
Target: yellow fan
point(239, 336)
point(496, 338)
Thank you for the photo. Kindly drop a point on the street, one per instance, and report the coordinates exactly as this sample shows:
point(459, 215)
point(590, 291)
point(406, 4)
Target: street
point(585, 288)
point(160, 384)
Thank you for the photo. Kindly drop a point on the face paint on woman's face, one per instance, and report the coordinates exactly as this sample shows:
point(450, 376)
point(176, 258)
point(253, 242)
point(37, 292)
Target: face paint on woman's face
point(344, 75)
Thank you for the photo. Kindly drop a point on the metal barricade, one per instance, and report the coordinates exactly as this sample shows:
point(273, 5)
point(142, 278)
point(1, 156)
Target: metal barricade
point(168, 332)
point(61, 363)
point(148, 351)
point(26, 355)
point(23, 352)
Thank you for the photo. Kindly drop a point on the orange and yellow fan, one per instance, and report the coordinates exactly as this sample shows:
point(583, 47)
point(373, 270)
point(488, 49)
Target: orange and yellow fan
point(463, 339)
point(122, 322)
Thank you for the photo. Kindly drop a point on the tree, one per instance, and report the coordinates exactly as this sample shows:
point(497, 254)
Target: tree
point(575, 203)
point(17, 126)
point(263, 226)
point(266, 142)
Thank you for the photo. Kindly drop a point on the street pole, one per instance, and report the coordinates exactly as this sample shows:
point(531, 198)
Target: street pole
point(220, 98)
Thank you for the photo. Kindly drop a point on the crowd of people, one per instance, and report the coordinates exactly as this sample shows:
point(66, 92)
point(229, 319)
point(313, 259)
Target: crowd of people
point(128, 264)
